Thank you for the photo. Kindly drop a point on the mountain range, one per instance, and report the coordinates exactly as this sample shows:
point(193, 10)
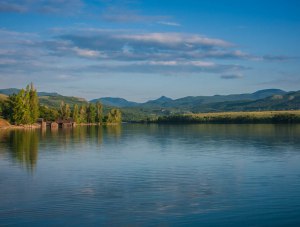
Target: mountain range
point(268, 99)
point(189, 101)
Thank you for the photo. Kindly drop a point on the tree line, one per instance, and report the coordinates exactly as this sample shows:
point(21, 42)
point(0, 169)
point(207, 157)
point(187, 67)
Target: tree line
point(91, 113)
point(24, 108)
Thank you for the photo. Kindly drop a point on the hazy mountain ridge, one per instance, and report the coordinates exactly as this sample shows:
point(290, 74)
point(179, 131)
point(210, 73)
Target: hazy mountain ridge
point(189, 101)
point(116, 102)
point(51, 99)
point(268, 99)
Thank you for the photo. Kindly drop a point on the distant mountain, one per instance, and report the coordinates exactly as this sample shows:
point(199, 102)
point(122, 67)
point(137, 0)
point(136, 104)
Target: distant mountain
point(116, 102)
point(10, 91)
point(192, 101)
point(287, 101)
point(162, 101)
point(189, 102)
point(51, 99)
point(268, 99)
point(55, 101)
point(266, 93)
point(48, 94)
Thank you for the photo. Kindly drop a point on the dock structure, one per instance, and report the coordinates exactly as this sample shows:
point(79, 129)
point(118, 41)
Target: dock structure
point(53, 125)
point(60, 123)
point(42, 122)
point(67, 123)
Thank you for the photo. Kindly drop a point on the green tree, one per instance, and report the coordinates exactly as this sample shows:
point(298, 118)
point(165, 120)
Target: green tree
point(67, 111)
point(114, 116)
point(75, 114)
point(33, 103)
point(64, 111)
point(26, 107)
point(48, 113)
point(18, 104)
point(91, 113)
point(82, 114)
point(99, 115)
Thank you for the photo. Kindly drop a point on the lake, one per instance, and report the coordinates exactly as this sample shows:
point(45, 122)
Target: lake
point(151, 175)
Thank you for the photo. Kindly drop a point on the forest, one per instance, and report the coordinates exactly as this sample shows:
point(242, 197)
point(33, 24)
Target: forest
point(24, 108)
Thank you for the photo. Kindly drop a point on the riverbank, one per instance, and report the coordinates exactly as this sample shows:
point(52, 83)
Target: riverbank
point(257, 117)
point(273, 117)
point(4, 125)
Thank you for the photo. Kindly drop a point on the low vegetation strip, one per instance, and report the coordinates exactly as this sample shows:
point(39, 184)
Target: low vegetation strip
point(235, 117)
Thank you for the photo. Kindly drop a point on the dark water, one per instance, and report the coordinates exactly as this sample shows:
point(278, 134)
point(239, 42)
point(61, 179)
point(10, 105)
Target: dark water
point(137, 175)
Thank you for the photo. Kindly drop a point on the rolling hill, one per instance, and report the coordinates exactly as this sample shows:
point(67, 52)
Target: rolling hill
point(51, 99)
point(116, 102)
point(3, 97)
point(55, 100)
point(288, 101)
point(190, 101)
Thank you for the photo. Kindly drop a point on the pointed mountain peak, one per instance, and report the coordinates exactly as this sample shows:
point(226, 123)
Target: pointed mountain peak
point(164, 98)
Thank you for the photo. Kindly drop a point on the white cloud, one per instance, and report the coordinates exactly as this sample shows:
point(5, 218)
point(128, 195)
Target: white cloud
point(171, 39)
point(168, 23)
point(86, 52)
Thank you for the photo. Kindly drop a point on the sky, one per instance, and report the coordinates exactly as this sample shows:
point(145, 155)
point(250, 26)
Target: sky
point(143, 49)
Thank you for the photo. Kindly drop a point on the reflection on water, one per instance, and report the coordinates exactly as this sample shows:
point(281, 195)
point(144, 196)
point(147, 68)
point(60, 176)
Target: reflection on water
point(151, 175)
point(23, 145)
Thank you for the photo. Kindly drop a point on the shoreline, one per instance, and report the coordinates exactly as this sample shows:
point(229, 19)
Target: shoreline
point(23, 127)
point(28, 127)
point(38, 126)
point(254, 117)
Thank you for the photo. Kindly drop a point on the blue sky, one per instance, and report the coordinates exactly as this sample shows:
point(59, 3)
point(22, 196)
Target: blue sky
point(140, 50)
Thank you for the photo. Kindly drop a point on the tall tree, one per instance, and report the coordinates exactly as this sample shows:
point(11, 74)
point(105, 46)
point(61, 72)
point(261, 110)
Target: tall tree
point(75, 114)
point(19, 107)
point(114, 116)
point(64, 111)
point(82, 114)
point(50, 114)
point(26, 107)
point(33, 103)
point(91, 113)
point(67, 111)
point(99, 115)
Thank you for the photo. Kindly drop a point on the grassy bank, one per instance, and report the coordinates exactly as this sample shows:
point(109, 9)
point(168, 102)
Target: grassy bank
point(235, 117)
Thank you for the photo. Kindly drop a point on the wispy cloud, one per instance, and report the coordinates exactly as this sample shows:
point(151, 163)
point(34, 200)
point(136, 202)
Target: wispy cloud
point(168, 23)
point(62, 7)
point(161, 67)
point(12, 6)
point(77, 52)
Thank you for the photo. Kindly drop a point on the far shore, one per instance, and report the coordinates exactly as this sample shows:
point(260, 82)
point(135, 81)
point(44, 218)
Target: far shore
point(254, 117)
point(8, 126)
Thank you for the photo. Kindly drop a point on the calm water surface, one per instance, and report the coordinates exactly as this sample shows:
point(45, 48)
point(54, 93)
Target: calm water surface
point(137, 175)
